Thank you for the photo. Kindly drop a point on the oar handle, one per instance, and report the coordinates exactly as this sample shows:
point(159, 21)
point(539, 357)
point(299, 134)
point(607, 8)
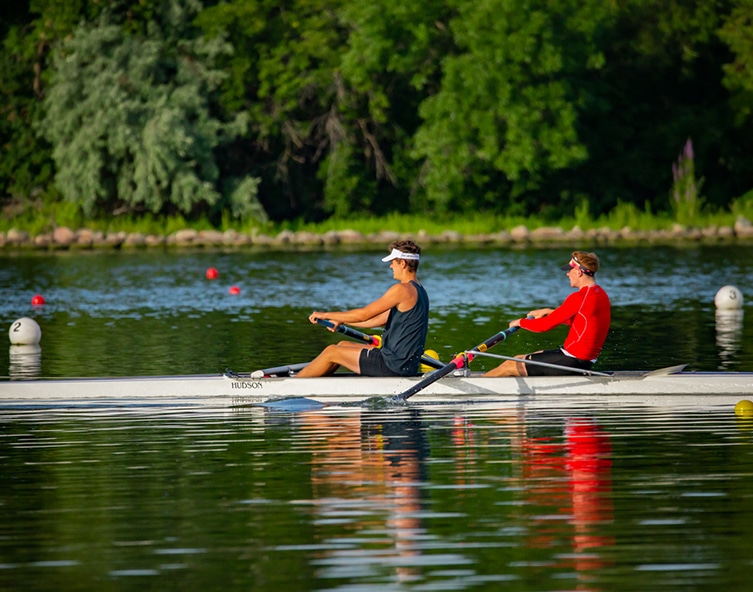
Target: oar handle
point(350, 332)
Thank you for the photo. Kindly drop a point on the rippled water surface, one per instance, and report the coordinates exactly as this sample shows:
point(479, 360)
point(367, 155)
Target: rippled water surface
point(511, 496)
point(155, 313)
point(443, 498)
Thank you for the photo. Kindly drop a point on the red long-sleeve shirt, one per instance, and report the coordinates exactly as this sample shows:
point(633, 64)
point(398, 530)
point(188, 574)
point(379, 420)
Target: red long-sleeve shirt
point(587, 311)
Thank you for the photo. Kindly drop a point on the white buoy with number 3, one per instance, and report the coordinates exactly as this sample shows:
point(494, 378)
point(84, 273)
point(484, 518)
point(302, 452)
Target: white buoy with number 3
point(24, 331)
point(728, 298)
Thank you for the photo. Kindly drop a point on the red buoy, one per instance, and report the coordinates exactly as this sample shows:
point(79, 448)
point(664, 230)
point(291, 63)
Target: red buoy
point(235, 290)
point(37, 300)
point(212, 273)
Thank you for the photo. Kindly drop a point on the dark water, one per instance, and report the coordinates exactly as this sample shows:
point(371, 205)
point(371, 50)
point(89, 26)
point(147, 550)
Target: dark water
point(155, 313)
point(418, 499)
point(430, 497)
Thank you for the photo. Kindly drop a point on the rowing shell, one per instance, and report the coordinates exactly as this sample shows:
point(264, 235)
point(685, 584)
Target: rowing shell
point(668, 386)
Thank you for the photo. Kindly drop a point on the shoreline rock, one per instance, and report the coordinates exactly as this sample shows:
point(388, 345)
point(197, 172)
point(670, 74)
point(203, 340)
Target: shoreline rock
point(63, 238)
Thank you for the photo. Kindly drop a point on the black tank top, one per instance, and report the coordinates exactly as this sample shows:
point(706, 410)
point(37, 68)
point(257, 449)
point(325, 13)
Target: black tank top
point(404, 336)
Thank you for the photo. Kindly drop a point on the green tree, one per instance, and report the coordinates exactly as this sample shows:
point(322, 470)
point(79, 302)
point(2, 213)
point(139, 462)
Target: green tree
point(507, 112)
point(27, 30)
point(660, 84)
point(25, 163)
point(390, 64)
point(308, 108)
point(283, 76)
point(737, 33)
point(128, 112)
point(331, 88)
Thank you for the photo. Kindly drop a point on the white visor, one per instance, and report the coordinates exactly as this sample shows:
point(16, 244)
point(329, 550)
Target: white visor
point(397, 254)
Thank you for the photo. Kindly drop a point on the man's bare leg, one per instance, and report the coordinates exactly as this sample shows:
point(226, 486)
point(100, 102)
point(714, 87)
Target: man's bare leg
point(509, 368)
point(345, 353)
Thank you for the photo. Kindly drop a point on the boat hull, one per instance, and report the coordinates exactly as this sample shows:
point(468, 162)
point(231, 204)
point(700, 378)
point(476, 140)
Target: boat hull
point(654, 388)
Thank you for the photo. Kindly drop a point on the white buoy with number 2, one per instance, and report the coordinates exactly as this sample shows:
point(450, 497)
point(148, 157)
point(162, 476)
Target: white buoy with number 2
point(24, 331)
point(728, 298)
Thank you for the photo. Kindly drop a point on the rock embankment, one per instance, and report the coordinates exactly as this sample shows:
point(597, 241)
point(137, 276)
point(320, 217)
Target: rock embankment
point(65, 238)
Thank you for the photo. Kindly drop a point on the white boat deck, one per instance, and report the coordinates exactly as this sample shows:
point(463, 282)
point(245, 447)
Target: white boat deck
point(666, 387)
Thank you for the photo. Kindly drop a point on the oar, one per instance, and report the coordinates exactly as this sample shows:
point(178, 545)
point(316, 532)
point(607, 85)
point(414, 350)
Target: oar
point(374, 340)
point(456, 364)
point(548, 365)
point(349, 331)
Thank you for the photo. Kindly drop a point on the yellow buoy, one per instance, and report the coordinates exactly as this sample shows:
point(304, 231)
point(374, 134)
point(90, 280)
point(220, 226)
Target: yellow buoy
point(744, 408)
point(432, 354)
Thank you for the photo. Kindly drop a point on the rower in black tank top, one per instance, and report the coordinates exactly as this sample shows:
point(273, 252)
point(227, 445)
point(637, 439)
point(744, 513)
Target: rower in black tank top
point(405, 332)
point(404, 337)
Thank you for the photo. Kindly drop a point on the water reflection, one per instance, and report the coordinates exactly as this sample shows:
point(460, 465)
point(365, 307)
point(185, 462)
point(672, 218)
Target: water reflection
point(561, 483)
point(569, 480)
point(25, 361)
point(366, 474)
point(169, 319)
point(589, 468)
point(729, 335)
point(376, 506)
point(436, 498)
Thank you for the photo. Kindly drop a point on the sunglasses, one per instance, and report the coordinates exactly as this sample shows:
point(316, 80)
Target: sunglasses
point(575, 263)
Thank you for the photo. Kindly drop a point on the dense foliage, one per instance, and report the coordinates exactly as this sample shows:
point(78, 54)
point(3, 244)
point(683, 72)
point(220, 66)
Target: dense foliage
point(292, 109)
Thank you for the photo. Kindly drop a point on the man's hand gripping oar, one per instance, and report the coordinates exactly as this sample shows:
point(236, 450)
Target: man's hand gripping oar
point(456, 364)
point(374, 340)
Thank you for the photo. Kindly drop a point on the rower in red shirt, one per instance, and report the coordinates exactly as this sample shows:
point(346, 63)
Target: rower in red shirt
point(587, 312)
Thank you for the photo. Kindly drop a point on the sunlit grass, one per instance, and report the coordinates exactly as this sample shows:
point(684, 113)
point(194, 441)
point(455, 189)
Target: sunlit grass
point(624, 215)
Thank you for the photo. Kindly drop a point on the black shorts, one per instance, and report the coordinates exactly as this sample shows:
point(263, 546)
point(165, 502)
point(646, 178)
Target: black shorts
point(372, 363)
point(558, 357)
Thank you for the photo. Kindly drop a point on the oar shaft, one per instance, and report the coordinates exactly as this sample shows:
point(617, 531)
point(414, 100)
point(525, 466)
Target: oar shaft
point(350, 332)
point(456, 364)
point(548, 365)
point(495, 339)
point(372, 340)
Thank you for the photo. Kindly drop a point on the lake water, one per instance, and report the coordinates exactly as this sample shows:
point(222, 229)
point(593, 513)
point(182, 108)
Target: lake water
point(155, 313)
point(430, 497)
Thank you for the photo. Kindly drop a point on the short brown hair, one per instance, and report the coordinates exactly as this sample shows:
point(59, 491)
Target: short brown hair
point(407, 246)
point(588, 260)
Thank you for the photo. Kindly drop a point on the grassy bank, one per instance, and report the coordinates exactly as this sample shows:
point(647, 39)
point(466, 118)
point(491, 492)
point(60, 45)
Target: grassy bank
point(45, 218)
